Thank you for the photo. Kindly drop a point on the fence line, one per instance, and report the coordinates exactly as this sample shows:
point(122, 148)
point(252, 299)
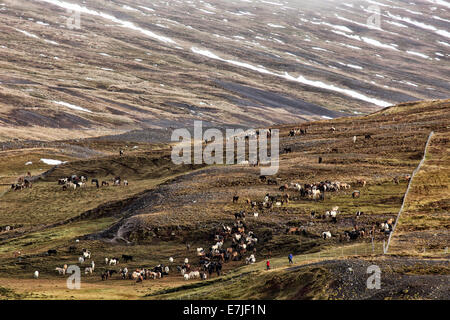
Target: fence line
point(365, 249)
point(407, 191)
point(361, 249)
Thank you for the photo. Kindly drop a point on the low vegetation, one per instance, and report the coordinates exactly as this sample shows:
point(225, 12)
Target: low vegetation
point(165, 207)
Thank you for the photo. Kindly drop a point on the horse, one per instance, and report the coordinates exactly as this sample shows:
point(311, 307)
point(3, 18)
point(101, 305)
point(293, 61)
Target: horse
point(96, 183)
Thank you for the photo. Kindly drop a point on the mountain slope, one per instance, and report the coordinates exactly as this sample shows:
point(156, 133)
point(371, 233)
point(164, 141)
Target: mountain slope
point(166, 206)
point(136, 64)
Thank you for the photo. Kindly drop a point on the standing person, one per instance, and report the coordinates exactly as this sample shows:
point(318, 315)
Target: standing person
point(268, 264)
point(290, 257)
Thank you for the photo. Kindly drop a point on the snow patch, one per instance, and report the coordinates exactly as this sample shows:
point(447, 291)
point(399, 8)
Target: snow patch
point(71, 106)
point(52, 162)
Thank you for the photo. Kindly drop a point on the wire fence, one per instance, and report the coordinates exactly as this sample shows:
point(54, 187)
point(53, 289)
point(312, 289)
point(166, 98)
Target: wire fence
point(366, 249)
point(360, 250)
point(407, 190)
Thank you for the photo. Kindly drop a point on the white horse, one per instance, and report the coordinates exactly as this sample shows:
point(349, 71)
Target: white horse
point(326, 235)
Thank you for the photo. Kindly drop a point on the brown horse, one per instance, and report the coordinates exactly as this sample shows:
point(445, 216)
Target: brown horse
point(293, 230)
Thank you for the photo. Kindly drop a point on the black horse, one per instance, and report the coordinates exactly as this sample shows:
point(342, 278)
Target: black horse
point(96, 183)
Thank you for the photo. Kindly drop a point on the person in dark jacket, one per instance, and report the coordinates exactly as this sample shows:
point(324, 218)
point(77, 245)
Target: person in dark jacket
point(290, 257)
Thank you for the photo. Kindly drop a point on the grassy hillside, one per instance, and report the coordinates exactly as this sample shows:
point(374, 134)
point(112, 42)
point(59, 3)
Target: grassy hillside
point(424, 223)
point(166, 206)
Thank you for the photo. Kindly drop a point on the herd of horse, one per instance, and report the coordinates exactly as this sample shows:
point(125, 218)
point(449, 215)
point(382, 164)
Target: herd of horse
point(23, 183)
point(75, 182)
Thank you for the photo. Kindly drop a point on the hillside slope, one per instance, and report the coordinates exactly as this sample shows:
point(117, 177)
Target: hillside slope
point(135, 64)
point(424, 224)
point(398, 136)
point(166, 207)
point(343, 279)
